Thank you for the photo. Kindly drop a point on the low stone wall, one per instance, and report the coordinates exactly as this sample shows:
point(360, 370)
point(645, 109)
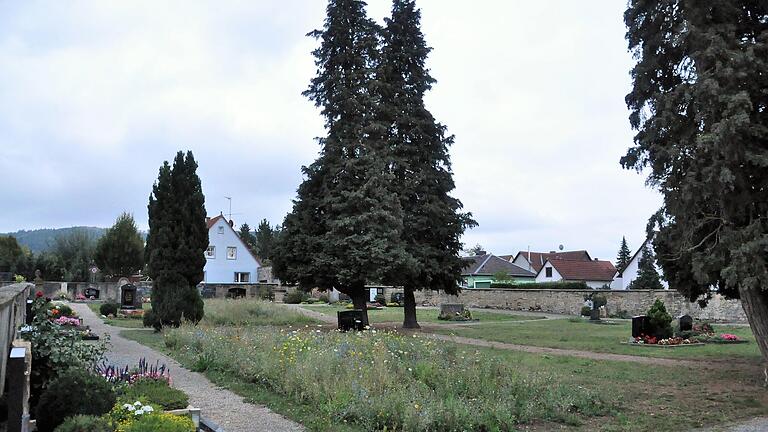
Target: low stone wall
point(13, 312)
point(237, 290)
point(635, 302)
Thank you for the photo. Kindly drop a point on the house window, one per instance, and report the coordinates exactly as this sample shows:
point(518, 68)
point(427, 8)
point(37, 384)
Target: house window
point(548, 272)
point(221, 229)
point(242, 277)
point(210, 252)
point(231, 253)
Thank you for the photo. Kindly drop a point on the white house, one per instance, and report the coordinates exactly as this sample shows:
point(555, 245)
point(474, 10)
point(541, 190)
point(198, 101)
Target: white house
point(595, 273)
point(625, 276)
point(533, 261)
point(228, 260)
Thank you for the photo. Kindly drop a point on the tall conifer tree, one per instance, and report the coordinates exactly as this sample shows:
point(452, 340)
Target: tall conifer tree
point(177, 240)
point(432, 220)
point(700, 108)
point(622, 259)
point(647, 276)
point(345, 227)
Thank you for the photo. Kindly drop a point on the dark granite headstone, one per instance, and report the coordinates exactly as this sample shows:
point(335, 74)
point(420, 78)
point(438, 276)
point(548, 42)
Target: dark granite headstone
point(127, 297)
point(685, 323)
point(640, 325)
point(91, 293)
point(350, 320)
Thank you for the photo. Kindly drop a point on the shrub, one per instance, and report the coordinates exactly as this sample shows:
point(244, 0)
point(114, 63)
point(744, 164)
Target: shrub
point(161, 423)
point(65, 310)
point(76, 391)
point(380, 299)
point(324, 298)
point(109, 308)
point(598, 301)
point(55, 349)
point(266, 292)
point(660, 321)
point(295, 297)
point(586, 310)
point(622, 314)
point(151, 319)
point(572, 285)
point(84, 423)
point(157, 392)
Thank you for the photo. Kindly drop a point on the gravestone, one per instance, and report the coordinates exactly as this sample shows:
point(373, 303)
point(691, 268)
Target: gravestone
point(92, 293)
point(450, 310)
point(685, 323)
point(640, 325)
point(350, 320)
point(127, 297)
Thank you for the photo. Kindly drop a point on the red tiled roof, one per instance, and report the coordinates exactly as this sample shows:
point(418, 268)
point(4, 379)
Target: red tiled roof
point(539, 258)
point(584, 270)
point(212, 221)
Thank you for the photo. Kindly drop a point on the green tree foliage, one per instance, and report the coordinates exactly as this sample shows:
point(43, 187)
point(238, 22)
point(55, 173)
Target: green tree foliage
point(177, 240)
point(120, 252)
point(265, 240)
point(246, 235)
point(660, 321)
point(700, 109)
point(75, 252)
point(647, 276)
point(475, 250)
point(432, 219)
point(624, 255)
point(346, 224)
point(10, 254)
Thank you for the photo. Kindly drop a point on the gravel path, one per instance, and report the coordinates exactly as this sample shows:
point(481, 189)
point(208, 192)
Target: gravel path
point(222, 406)
point(758, 424)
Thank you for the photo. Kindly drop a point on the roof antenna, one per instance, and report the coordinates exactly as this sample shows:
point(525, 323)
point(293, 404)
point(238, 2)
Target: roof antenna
point(230, 207)
point(559, 247)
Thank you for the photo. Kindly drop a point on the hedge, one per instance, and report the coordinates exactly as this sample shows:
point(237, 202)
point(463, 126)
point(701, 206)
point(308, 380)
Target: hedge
point(543, 285)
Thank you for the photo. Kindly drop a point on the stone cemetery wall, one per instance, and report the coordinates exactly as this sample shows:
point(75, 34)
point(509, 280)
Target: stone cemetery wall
point(13, 311)
point(634, 302)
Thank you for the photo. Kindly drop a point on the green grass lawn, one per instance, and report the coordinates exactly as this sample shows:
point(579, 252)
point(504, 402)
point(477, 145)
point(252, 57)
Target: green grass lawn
point(135, 322)
point(585, 336)
point(642, 397)
point(395, 314)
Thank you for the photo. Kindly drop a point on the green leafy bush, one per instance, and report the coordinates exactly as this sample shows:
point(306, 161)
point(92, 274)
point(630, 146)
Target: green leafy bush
point(64, 310)
point(55, 349)
point(295, 297)
point(109, 308)
point(380, 299)
point(660, 321)
point(586, 310)
point(161, 423)
point(84, 423)
point(76, 391)
point(157, 392)
point(266, 292)
point(151, 319)
point(543, 285)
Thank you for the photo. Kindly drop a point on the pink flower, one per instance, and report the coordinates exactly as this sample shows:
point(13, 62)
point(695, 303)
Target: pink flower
point(729, 337)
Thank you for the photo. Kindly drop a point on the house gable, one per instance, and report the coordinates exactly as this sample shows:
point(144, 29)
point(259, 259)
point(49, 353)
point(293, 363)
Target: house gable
point(228, 259)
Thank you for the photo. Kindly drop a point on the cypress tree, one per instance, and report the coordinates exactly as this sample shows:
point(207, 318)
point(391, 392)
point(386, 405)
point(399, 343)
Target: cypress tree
point(421, 166)
point(247, 237)
point(264, 240)
point(177, 240)
point(120, 251)
point(647, 276)
point(700, 109)
point(622, 259)
point(345, 227)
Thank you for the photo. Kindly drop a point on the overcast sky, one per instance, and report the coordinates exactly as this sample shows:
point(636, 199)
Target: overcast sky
point(95, 95)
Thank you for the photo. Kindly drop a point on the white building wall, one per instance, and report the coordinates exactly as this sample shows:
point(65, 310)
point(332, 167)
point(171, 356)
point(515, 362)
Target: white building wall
point(597, 284)
point(630, 273)
point(219, 269)
point(542, 276)
point(522, 262)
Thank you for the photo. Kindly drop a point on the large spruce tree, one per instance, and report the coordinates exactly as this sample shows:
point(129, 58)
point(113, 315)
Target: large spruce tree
point(177, 240)
point(647, 276)
point(120, 251)
point(624, 255)
point(346, 224)
point(432, 221)
point(700, 108)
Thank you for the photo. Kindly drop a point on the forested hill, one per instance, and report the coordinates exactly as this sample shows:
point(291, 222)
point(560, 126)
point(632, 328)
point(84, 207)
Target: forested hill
point(40, 240)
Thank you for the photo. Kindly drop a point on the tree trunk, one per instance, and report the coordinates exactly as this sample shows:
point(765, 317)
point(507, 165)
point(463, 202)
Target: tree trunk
point(409, 309)
point(755, 304)
point(360, 301)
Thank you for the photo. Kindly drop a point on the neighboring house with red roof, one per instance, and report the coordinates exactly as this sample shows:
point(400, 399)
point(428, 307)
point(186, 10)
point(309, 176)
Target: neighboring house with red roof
point(596, 274)
point(228, 260)
point(534, 261)
point(481, 269)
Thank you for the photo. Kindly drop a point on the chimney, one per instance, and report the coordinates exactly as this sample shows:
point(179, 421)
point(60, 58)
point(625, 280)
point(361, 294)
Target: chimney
point(207, 219)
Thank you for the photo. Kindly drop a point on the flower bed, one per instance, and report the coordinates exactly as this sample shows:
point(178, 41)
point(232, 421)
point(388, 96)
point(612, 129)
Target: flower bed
point(723, 338)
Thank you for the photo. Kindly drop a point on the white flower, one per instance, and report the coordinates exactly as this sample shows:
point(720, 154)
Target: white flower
point(137, 403)
point(148, 409)
point(128, 406)
point(139, 412)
